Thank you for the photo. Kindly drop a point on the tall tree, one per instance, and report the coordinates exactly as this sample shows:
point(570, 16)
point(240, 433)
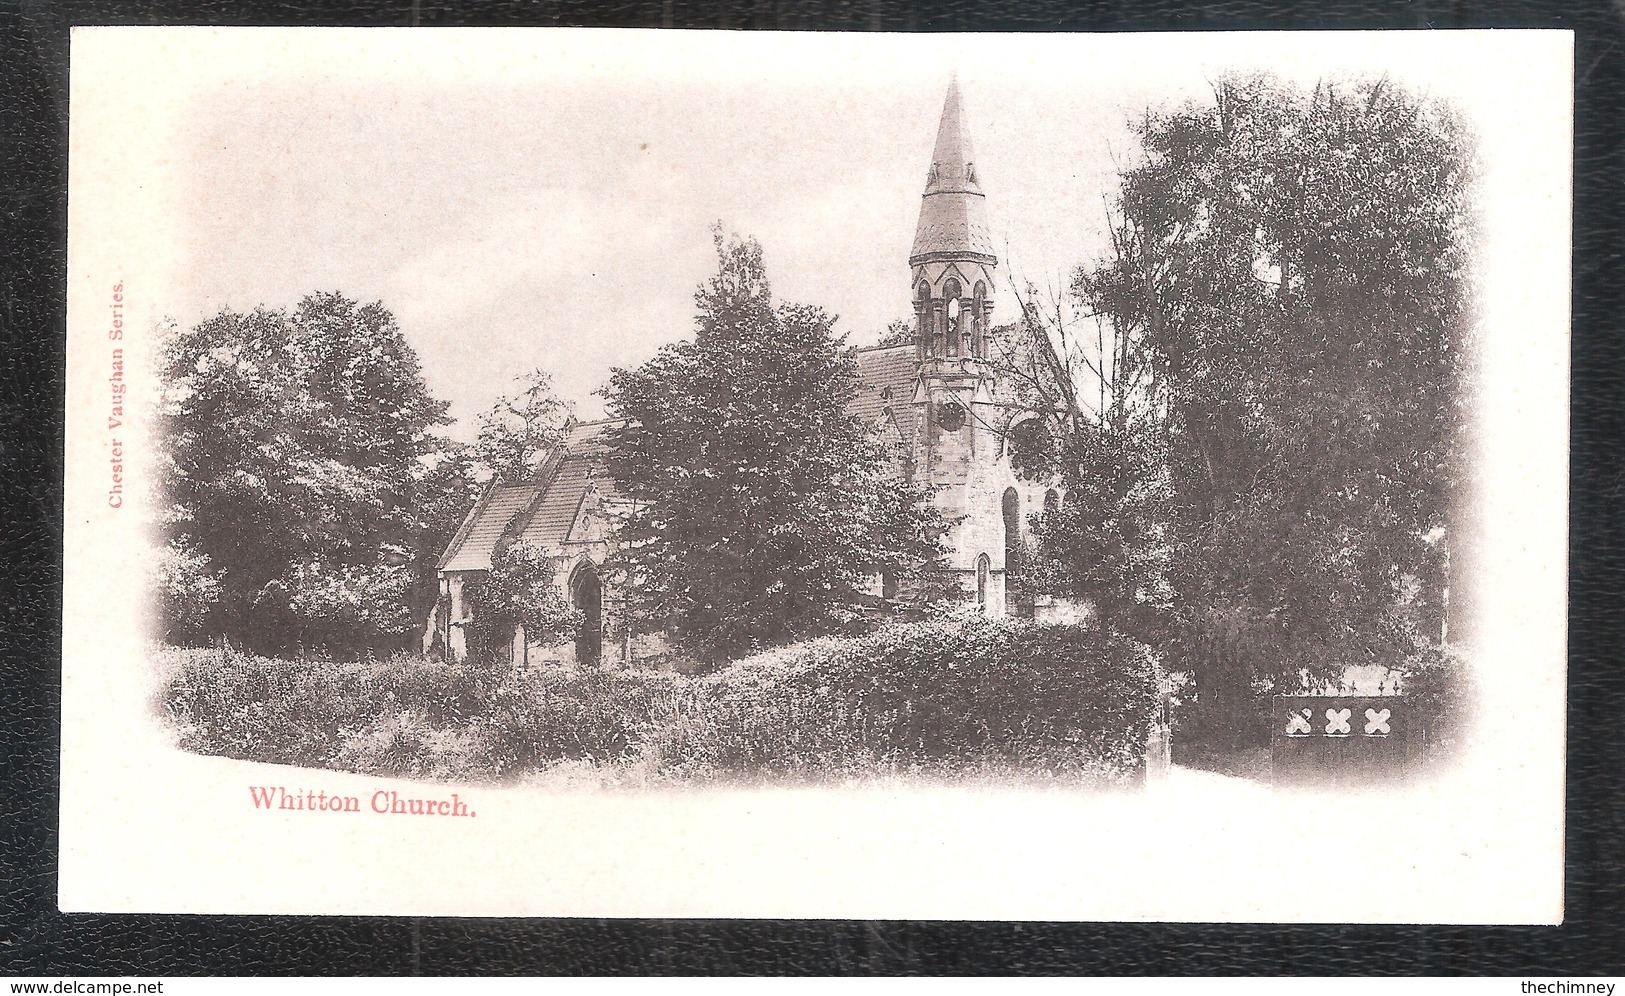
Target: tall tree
point(1087, 381)
point(304, 475)
point(761, 509)
point(1290, 277)
point(520, 428)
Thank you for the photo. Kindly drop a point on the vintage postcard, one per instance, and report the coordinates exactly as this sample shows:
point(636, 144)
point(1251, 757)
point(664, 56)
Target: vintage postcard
point(683, 474)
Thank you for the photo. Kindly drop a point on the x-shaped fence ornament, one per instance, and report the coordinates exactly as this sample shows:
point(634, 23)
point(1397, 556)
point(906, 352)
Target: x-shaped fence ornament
point(1376, 722)
point(1337, 722)
point(1297, 724)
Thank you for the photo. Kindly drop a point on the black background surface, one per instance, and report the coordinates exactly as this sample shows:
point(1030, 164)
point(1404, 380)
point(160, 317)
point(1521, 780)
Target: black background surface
point(35, 939)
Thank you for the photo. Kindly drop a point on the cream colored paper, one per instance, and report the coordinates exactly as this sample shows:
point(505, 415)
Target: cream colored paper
point(357, 183)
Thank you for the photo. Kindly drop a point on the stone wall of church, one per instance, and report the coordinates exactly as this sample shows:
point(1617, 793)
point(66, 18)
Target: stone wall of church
point(982, 529)
point(978, 477)
point(457, 614)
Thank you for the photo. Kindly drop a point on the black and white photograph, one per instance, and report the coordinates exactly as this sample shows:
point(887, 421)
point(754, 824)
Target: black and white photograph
point(563, 472)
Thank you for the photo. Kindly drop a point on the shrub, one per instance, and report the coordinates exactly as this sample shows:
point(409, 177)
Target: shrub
point(404, 715)
point(1438, 683)
point(557, 712)
point(520, 589)
point(187, 591)
point(355, 605)
point(977, 696)
point(264, 709)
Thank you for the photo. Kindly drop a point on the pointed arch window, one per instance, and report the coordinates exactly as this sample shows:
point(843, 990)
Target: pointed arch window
point(587, 595)
point(1010, 511)
point(983, 571)
point(922, 310)
point(951, 293)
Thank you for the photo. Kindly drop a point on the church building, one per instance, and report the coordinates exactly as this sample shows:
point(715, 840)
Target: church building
point(950, 398)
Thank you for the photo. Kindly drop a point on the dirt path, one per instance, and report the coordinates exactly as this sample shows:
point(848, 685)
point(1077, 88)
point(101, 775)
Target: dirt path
point(1197, 784)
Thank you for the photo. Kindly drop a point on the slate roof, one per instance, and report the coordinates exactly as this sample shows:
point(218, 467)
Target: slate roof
point(470, 549)
point(882, 368)
point(554, 514)
point(543, 510)
point(546, 511)
point(953, 213)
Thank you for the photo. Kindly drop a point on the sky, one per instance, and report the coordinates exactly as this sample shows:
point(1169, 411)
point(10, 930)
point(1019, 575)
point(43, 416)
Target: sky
point(545, 198)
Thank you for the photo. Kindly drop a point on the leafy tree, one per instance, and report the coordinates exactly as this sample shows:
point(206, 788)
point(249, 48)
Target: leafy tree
point(761, 510)
point(1107, 544)
point(1289, 291)
point(187, 591)
point(521, 590)
point(1097, 433)
point(517, 431)
point(899, 332)
point(302, 461)
point(334, 604)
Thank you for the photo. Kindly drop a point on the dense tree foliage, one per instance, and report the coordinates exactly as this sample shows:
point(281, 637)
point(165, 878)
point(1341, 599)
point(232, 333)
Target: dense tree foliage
point(1288, 295)
point(762, 509)
point(518, 431)
point(306, 489)
point(521, 590)
point(187, 591)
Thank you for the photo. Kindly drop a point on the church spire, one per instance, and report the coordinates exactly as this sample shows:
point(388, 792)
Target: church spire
point(953, 213)
point(952, 157)
point(952, 263)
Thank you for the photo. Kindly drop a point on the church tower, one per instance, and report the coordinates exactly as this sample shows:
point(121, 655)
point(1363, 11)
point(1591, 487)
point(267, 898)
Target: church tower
point(952, 263)
point(951, 269)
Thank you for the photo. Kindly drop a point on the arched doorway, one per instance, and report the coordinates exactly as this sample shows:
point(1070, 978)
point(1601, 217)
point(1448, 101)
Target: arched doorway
point(587, 594)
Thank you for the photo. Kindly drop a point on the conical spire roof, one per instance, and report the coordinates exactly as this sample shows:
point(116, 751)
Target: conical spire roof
point(953, 213)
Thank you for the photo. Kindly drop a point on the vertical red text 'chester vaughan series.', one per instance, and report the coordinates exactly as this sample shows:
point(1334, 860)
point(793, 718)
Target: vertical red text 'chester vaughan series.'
point(115, 411)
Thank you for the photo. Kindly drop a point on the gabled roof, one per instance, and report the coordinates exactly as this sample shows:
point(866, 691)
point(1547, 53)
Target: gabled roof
point(471, 548)
point(579, 478)
point(591, 435)
point(553, 515)
point(543, 511)
point(886, 381)
point(590, 441)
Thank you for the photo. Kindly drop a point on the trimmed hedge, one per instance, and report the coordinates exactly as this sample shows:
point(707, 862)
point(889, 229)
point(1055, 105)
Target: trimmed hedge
point(982, 696)
point(977, 697)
